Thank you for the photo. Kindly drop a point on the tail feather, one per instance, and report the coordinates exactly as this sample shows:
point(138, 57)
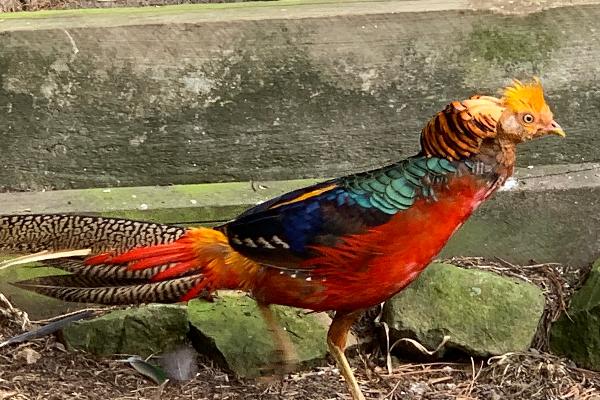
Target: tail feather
point(78, 266)
point(118, 261)
point(162, 253)
point(76, 289)
point(78, 281)
point(59, 232)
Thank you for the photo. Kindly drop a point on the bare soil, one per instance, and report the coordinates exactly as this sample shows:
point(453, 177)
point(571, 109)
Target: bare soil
point(58, 374)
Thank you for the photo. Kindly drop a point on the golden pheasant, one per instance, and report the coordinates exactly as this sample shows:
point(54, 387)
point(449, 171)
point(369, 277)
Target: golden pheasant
point(344, 245)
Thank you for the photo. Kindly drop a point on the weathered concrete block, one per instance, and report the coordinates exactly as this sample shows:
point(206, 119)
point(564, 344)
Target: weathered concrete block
point(231, 331)
point(576, 334)
point(139, 331)
point(268, 90)
point(483, 313)
point(531, 220)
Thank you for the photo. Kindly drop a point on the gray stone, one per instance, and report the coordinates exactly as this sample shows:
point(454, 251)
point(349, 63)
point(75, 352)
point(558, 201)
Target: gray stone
point(142, 331)
point(577, 334)
point(231, 331)
point(483, 313)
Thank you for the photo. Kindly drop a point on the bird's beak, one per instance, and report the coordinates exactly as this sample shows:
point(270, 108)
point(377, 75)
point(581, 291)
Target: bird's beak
point(553, 128)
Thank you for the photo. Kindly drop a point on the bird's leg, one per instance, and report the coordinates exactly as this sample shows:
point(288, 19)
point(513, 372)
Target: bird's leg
point(283, 346)
point(336, 340)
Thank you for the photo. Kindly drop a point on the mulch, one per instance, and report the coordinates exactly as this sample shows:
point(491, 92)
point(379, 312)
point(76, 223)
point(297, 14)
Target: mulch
point(38, 5)
point(43, 369)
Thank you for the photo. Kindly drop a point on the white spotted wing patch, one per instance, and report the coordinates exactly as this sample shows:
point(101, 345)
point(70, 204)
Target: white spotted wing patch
point(273, 243)
point(297, 274)
point(261, 241)
point(275, 239)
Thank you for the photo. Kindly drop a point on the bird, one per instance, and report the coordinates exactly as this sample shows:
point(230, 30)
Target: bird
point(342, 245)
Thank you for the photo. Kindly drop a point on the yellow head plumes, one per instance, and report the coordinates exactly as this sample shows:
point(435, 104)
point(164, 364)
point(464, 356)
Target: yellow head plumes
point(526, 114)
point(525, 97)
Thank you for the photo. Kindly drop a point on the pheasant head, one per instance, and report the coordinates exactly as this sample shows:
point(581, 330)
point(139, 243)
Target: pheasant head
point(459, 130)
point(526, 115)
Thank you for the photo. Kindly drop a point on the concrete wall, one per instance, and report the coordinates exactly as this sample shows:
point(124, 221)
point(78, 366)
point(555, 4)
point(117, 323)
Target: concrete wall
point(272, 91)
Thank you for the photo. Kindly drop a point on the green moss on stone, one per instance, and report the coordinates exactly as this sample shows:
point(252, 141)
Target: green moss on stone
point(483, 313)
point(232, 330)
point(576, 334)
point(139, 331)
point(505, 45)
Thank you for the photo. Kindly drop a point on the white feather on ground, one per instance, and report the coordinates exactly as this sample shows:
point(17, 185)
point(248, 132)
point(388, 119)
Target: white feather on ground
point(180, 364)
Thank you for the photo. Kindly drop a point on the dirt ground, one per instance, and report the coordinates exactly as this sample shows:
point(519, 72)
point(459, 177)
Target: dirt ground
point(43, 369)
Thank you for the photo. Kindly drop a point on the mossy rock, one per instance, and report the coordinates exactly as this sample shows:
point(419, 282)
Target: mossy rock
point(139, 331)
point(483, 313)
point(576, 334)
point(232, 331)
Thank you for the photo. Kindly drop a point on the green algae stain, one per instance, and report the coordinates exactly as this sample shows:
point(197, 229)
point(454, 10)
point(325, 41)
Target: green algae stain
point(523, 41)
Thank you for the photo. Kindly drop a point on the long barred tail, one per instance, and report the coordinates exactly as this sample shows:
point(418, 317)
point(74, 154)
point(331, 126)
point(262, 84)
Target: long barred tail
point(129, 262)
point(72, 288)
point(57, 232)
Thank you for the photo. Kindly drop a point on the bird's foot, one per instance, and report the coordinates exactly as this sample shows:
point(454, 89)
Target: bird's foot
point(285, 356)
point(286, 361)
point(283, 363)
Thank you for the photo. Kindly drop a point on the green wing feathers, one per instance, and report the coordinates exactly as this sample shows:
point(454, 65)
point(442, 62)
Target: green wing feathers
point(395, 188)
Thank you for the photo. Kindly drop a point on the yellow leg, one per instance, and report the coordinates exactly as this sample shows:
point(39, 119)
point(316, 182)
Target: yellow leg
point(283, 345)
point(336, 340)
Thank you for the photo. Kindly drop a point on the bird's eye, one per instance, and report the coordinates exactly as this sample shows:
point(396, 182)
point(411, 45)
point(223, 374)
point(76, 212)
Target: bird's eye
point(528, 118)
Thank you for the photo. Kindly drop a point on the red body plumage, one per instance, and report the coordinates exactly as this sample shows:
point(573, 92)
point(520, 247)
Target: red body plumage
point(368, 268)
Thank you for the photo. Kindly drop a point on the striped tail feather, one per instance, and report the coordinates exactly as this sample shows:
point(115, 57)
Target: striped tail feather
point(60, 232)
point(101, 291)
point(113, 273)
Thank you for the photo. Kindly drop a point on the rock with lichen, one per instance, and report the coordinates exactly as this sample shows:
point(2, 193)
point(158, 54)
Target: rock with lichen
point(480, 313)
point(232, 331)
point(576, 334)
point(141, 331)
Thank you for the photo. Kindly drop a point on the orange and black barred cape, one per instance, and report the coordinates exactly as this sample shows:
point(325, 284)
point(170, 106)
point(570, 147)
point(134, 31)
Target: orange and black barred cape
point(458, 131)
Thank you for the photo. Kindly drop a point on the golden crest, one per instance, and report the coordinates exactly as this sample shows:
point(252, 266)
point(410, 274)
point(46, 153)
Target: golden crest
point(522, 97)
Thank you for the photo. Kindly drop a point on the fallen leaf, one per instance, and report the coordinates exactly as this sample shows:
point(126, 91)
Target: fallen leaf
point(49, 328)
point(29, 355)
